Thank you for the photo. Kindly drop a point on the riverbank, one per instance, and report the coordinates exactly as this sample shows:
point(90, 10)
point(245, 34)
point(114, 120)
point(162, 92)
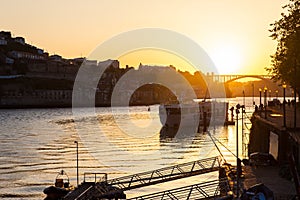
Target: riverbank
point(274, 131)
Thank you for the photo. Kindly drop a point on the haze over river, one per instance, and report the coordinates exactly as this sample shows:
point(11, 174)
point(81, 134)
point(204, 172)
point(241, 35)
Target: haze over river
point(37, 143)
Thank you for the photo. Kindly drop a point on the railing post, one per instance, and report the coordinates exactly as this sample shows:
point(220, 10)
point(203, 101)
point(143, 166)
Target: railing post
point(213, 164)
point(193, 166)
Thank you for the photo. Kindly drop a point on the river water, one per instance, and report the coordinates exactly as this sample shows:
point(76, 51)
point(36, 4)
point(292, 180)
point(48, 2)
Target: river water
point(36, 144)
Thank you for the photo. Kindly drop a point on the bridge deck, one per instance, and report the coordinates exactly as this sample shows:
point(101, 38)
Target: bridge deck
point(226, 78)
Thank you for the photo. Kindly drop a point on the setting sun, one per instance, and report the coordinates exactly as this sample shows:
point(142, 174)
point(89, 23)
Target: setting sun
point(227, 58)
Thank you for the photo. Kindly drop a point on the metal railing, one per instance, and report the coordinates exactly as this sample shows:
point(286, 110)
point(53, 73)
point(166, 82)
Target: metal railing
point(97, 177)
point(117, 185)
point(206, 190)
point(166, 174)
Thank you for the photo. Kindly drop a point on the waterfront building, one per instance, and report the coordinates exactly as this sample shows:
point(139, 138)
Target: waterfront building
point(56, 57)
point(20, 40)
point(26, 55)
point(3, 41)
point(5, 34)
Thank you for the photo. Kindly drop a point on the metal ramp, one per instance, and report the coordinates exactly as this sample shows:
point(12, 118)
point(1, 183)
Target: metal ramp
point(167, 174)
point(245, 134)
point(116, 186)
point(80, 191)
point(207, 190)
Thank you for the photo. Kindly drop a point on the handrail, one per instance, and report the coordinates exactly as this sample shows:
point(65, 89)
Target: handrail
point(166, 173)
point(101, 179)
point(117, 185)
point(203, 190)
point(82, 195)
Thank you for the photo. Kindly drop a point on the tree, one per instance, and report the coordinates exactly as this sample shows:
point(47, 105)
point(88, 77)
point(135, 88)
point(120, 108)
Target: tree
point(286, 60)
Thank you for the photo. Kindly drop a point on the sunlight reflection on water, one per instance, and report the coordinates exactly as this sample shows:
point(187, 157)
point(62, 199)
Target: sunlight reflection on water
point(37, 143)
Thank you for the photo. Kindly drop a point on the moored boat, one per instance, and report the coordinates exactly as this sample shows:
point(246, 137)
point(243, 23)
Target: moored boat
point(61, 187)
point(193, 114)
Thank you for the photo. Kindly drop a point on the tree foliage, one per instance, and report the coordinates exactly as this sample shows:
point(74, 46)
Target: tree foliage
point(286, 60)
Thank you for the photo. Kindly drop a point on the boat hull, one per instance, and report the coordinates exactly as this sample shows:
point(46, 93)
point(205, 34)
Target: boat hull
point(195, 115)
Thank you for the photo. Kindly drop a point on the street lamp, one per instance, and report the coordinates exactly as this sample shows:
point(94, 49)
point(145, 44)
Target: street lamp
point(238, 106)
point(284, 102)
point(243, 97)
point(253, 94)
point(276, 94)
point(259, 97)
point(265, 100)
point(295, 109)
point(243, 111)
point(77, 162)
point(270, 95)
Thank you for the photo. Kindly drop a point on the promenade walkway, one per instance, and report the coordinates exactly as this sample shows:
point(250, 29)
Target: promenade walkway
point(275, 115)
point(283, 189)
point(269, 175)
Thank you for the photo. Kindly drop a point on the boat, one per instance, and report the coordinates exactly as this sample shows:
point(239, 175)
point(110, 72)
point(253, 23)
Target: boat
point(195, 115)
point(61, 187)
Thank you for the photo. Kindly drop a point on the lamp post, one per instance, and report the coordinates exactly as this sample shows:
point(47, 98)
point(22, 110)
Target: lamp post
point(253, 94)
point(265, 100)
point(284, 102)
point(270, 95)
point(243, 97)
point(259, 97)
point(276, 94)
point(77, 162)
point(238, 106)
point(243, 111)
point(295, 93)
point(295, 109)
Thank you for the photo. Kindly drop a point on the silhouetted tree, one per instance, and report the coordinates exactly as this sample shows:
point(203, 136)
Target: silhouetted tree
point(286, 60)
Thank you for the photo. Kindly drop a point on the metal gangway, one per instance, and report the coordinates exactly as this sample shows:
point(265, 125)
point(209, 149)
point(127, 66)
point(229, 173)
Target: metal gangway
point(207, 190)
point(167, 174)
point(114, 186)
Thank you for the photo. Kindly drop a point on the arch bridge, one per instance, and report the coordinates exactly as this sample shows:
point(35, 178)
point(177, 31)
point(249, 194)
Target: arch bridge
point(232, 77)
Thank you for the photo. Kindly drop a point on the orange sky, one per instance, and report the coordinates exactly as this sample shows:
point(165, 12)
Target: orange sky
point(234, 33)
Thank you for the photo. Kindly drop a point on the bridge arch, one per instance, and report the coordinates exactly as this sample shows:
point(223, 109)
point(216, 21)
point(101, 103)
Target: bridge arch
point(237, 77)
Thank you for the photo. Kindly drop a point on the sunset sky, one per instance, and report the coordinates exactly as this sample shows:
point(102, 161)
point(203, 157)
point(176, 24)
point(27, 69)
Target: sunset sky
point(234, 33)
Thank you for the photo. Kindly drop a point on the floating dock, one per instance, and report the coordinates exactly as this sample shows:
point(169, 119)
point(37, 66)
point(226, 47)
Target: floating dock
point(114, 188)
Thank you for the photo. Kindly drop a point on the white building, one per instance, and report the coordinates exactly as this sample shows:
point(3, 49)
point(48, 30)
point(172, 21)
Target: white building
point(90, 62)
point(27, 55)
point(113, 63)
